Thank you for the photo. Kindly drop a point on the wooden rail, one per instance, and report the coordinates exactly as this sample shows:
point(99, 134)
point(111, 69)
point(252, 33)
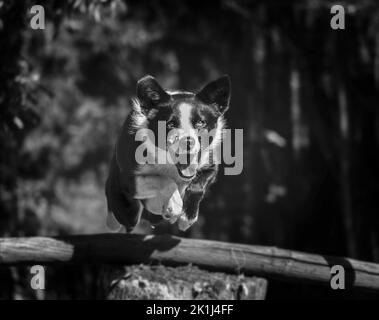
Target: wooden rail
point(262, 261)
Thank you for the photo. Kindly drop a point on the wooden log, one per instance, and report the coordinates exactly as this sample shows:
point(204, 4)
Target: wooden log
point(141, 282)
point(129, 249)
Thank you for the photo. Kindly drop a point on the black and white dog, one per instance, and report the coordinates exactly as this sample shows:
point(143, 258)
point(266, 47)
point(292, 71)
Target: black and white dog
point(186, 113)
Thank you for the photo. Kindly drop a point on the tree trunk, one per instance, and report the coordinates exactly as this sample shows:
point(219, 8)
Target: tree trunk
point(142, 282)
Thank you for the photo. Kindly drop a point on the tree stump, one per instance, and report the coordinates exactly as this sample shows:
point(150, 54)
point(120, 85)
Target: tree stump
point(143, 282)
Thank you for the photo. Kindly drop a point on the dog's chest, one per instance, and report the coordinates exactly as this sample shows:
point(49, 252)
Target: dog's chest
point(166, 170)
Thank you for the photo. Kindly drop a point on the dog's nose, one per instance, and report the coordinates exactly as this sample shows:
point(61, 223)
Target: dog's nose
point(187, 143)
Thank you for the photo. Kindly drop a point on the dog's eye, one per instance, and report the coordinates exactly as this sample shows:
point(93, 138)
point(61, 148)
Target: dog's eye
point(171, 125)
point(200, 123)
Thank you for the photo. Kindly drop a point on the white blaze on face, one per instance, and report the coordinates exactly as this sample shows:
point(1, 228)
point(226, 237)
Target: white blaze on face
point(187, 129)
point(185, 110)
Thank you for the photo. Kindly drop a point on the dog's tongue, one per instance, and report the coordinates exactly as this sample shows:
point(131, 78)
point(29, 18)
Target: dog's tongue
point(186, 164)
point(187, 169)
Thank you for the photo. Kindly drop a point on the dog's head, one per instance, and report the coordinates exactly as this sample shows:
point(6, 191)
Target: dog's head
point(187, 117)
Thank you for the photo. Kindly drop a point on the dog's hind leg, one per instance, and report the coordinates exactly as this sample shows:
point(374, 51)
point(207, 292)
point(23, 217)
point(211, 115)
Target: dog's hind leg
point(125, 208)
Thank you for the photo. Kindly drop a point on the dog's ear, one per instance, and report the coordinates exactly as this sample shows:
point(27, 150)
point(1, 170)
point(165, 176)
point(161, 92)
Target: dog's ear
point(150, 93)
point(216, 93)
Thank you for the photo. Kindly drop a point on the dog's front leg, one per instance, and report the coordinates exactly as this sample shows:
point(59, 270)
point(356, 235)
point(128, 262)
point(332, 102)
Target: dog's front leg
point(193, 196)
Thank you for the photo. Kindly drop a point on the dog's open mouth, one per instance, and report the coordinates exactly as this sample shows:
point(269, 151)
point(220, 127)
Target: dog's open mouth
point(186, 168)
point(186, 171)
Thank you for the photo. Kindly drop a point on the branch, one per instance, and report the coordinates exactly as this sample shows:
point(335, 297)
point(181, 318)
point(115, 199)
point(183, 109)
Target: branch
point(129, 249)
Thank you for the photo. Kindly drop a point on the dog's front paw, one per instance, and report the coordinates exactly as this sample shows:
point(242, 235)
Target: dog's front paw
point(184, 222)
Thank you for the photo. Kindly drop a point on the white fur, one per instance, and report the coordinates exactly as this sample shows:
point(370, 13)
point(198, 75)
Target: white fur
point(172, 92)
point(186, 127)
point(185, 110)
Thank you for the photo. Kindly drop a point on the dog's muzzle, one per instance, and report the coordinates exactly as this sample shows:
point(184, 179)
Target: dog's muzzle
point(185, 149)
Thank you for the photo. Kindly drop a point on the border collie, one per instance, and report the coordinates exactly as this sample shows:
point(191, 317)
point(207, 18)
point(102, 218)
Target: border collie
point(184, 116)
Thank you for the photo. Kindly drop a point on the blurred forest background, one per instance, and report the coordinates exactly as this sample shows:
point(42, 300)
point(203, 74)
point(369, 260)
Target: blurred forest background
point(305, 95)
